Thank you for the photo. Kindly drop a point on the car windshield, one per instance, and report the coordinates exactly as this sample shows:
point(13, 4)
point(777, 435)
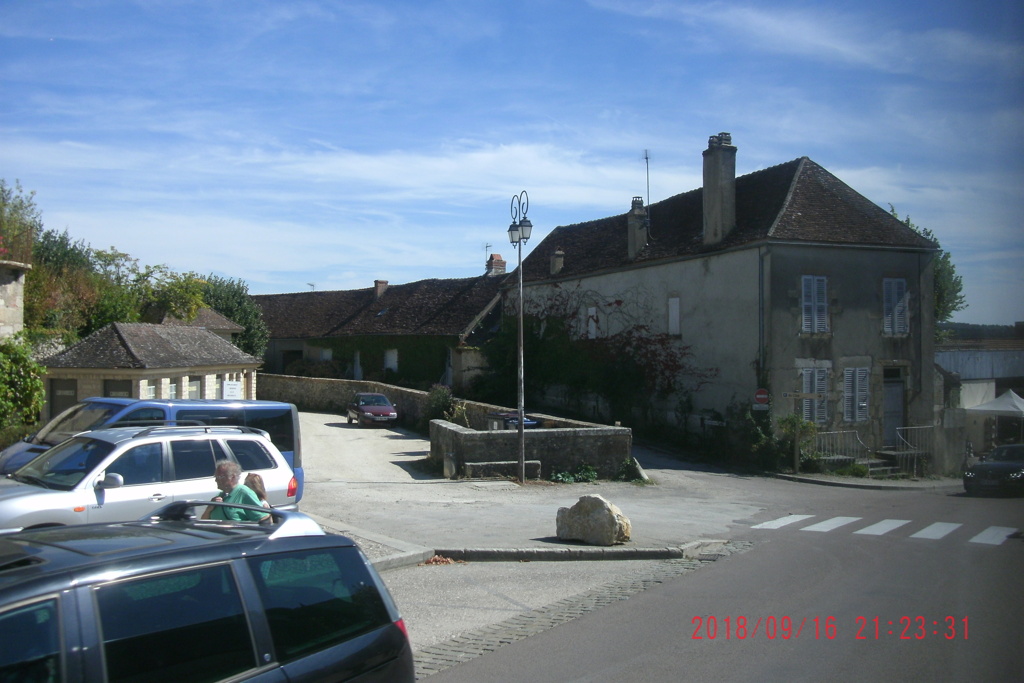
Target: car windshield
point(76, 419)
point(63, 466)
point(373, 401)
point(1009, 453)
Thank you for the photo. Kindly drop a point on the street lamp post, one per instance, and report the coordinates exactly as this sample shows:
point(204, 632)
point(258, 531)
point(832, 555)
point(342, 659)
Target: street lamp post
point(518, 233)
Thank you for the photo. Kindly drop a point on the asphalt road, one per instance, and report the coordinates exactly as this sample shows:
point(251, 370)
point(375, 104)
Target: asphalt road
point(621, 618)
point(947, 609)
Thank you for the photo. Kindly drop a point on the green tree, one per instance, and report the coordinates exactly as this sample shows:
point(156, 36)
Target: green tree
point(20, 222)
point(231, 299)
point(949, 297)
point(21, 384)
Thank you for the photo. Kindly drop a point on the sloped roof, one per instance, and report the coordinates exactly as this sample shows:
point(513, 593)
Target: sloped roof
point(426, 307)
point(148, 346)
point(798, 201)
point(207, 318)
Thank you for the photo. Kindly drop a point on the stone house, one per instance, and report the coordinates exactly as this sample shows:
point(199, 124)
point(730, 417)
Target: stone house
point(798, 292)
point(415, 334)
point(143, 360)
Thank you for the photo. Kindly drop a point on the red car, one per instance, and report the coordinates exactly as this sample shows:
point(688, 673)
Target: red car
point(368, 409)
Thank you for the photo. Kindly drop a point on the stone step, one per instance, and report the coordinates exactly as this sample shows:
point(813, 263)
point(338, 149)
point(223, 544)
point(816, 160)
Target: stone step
point(501, 469)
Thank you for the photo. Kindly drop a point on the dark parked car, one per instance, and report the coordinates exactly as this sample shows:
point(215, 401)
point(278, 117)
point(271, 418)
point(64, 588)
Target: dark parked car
point(1001, 472)
point(174, 598)
point(367, 409)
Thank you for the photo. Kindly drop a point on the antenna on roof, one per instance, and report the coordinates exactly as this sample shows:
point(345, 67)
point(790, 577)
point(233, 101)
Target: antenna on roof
point(312, 285)
point(487, 248)
point(647, 207)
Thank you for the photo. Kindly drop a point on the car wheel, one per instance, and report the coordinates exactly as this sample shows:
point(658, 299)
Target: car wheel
point(970, 491)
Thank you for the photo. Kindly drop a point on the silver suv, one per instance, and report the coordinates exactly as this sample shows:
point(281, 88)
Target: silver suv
point(125, 473)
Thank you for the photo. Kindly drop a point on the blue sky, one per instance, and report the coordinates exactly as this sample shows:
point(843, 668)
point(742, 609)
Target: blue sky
point(328, 144)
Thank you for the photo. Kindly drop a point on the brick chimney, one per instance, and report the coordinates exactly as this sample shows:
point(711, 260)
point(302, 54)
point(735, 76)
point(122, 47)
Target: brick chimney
point(636, 228)
point(379, 287)
point(719, 188)
point(495, 266)
point(557, 261)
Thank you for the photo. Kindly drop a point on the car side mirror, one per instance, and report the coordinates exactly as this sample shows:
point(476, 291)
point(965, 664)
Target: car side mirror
point(110, 481)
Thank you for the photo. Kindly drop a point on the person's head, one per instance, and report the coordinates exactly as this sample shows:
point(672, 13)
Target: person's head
point(227, 475)
point(255, 482)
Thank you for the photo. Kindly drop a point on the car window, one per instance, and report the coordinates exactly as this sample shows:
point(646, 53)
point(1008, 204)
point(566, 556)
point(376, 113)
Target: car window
point(142, 416)
point(181, 626)
point(142, 464)
point(195, 458)
point(65, 465)
point(1009, 454)
point(277, 422)
point(315, 599)
point(78, 418)
point(212, 417)
point(251, 455)
point(30, 646)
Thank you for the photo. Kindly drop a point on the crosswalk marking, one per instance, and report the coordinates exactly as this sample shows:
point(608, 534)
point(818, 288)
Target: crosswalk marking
point(936, 531)
point(994, 535)
point(781, 521)
point(830, 524)
point(883, 527)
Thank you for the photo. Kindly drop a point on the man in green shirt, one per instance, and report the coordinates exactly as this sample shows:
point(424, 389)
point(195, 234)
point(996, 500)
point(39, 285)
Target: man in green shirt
point(228, 475)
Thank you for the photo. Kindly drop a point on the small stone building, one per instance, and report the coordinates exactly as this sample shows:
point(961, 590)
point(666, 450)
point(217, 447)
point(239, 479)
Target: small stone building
point(141, 360)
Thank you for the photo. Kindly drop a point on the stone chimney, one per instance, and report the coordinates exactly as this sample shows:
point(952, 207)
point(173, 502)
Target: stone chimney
point(636, 228)
point(719, 188)
point(557, 261)
point(379, 287)
point(495, 266)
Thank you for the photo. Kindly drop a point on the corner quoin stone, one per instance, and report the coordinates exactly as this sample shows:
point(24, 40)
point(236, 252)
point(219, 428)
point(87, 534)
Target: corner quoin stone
point(593, 520)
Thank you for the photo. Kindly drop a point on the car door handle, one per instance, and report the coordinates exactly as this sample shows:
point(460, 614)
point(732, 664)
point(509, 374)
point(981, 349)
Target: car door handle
point(157, 497)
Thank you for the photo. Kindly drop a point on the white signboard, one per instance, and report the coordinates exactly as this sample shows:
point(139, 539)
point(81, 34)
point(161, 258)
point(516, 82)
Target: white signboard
point(233, 390)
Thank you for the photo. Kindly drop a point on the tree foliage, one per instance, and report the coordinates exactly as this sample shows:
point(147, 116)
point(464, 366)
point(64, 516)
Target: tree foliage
point(20, 222)
point(74, 289)
point(21, 384)
point(949, 297)
point(231, 299)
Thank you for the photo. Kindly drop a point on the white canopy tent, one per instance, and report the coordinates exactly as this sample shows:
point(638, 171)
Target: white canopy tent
point(1007, 405)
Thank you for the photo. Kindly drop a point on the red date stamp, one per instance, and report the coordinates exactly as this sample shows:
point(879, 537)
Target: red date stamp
point(828, 628)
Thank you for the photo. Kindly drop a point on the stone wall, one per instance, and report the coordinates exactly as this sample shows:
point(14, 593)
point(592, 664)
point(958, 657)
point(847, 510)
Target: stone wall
point(560, 444)
point(557, 450)
point(12, 297)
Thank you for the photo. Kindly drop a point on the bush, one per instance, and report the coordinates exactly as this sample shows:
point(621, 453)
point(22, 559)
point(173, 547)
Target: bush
point(584, 473)
point(21, 384)
point(629, 470)
point(853, 471)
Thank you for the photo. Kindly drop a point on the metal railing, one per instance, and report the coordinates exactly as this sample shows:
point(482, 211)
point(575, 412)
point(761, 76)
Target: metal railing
point(913, 451)
point(845, 444)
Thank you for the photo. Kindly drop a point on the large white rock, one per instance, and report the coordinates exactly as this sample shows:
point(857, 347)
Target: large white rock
point(593, 520)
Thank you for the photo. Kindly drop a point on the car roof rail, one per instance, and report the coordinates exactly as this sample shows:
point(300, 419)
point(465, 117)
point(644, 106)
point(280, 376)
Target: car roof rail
point(286, 523)
point(204, 428)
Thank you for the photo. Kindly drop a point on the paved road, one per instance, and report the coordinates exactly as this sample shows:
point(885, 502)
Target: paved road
point(362, 481)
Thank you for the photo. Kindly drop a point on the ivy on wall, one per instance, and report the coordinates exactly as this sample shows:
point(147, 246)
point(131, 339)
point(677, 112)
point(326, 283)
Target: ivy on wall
point(422, 360)
point(627, 364)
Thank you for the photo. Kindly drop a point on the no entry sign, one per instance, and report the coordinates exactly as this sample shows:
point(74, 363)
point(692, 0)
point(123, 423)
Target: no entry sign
point(761, 396)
